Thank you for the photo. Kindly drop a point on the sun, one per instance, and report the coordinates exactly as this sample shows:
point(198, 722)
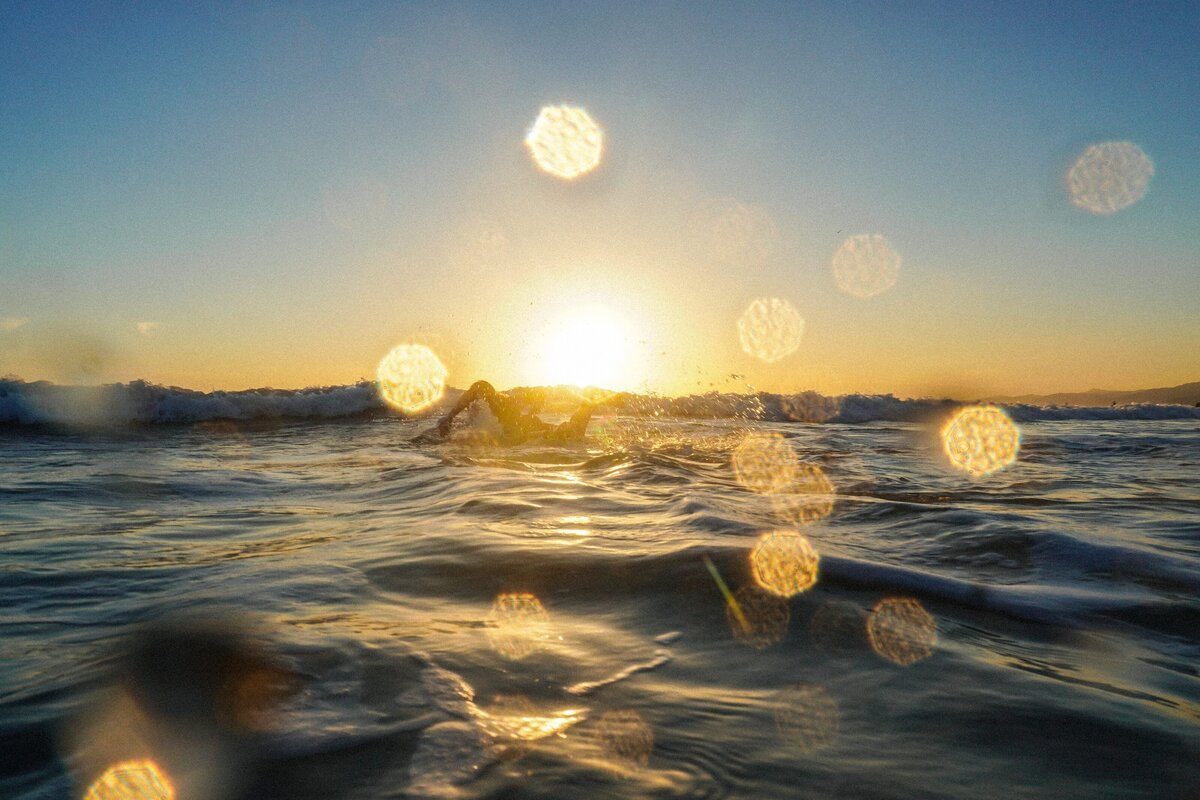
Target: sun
point(586, 347)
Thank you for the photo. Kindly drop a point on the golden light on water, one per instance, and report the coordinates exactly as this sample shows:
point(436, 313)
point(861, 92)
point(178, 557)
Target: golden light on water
point(784, 563)
point(625, 736)
point(1109, 176)
point(765, 463)
point(901, 630)
point(411, 378)
point(139, 779)
point(865, 265)
point(770, 329)
point(807, 717)
point(807, 498)
point(981, 440)
point(758, 618)
point(518, 624)
point(565, 142)
point(515, 720)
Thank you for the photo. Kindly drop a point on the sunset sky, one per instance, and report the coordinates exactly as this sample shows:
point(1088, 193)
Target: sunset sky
point(233, 195)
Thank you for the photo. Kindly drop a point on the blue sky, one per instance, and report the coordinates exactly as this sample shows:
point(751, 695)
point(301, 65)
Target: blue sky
point(184, 164)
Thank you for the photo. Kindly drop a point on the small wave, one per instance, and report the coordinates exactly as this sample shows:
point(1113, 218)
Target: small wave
point(1055, 605)
point(142, 403)
point(138, 402)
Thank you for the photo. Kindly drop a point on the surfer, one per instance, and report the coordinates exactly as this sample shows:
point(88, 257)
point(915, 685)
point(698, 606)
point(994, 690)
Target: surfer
point(517, 414)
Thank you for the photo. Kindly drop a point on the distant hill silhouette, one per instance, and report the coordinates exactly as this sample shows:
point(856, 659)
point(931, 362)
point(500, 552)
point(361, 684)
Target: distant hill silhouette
point(1187, 394)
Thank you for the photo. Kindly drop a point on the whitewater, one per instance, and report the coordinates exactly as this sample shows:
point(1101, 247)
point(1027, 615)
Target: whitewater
point(465, 620)
point(139, 402)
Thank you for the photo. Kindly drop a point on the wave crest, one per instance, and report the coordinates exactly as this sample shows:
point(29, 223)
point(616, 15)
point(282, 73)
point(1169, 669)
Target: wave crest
point(142, 403)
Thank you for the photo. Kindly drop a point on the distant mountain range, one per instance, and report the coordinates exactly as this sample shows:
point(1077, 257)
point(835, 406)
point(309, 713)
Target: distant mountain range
point(1187, 394)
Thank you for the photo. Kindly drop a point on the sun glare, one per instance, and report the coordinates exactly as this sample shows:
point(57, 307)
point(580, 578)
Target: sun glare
point(589, 347)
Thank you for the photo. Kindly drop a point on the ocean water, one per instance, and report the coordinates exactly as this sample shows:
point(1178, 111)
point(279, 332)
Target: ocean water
point(465, 620)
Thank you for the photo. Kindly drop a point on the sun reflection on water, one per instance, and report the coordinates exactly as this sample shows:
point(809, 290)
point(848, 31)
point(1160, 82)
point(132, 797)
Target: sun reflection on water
point(137, 779)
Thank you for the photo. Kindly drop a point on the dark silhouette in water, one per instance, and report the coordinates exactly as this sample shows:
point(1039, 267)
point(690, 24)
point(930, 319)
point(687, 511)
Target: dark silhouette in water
point(518, 417)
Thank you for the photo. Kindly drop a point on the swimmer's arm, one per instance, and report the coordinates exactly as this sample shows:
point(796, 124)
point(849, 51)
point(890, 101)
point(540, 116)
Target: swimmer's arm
point(477, 390)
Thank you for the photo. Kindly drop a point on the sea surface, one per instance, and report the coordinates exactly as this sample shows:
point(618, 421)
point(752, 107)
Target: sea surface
point(468, 620)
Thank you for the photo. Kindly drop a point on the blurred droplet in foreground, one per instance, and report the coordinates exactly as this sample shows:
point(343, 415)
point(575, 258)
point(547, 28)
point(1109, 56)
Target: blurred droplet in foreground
point(357, 204)
point(763, 620)
point(1109, 176)
point(807, 498)
point(981, 440)
point(625, 736)
point(190, 698)
point(565, 142)
point(765, 463)
point(784, 563)
point(477, 246)
point(807, 717)
point(411, 378)
point(138, 779)
point(901, 630)
point(865, 265)
point(838, 628)
point(517, 624)
point(733, 233)
point(770, 329)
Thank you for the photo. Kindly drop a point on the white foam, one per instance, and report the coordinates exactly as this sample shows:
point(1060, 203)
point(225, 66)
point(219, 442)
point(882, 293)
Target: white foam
point(140, 402)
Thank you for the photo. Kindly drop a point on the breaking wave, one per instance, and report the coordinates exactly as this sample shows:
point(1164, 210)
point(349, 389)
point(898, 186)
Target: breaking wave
point(142, 403)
